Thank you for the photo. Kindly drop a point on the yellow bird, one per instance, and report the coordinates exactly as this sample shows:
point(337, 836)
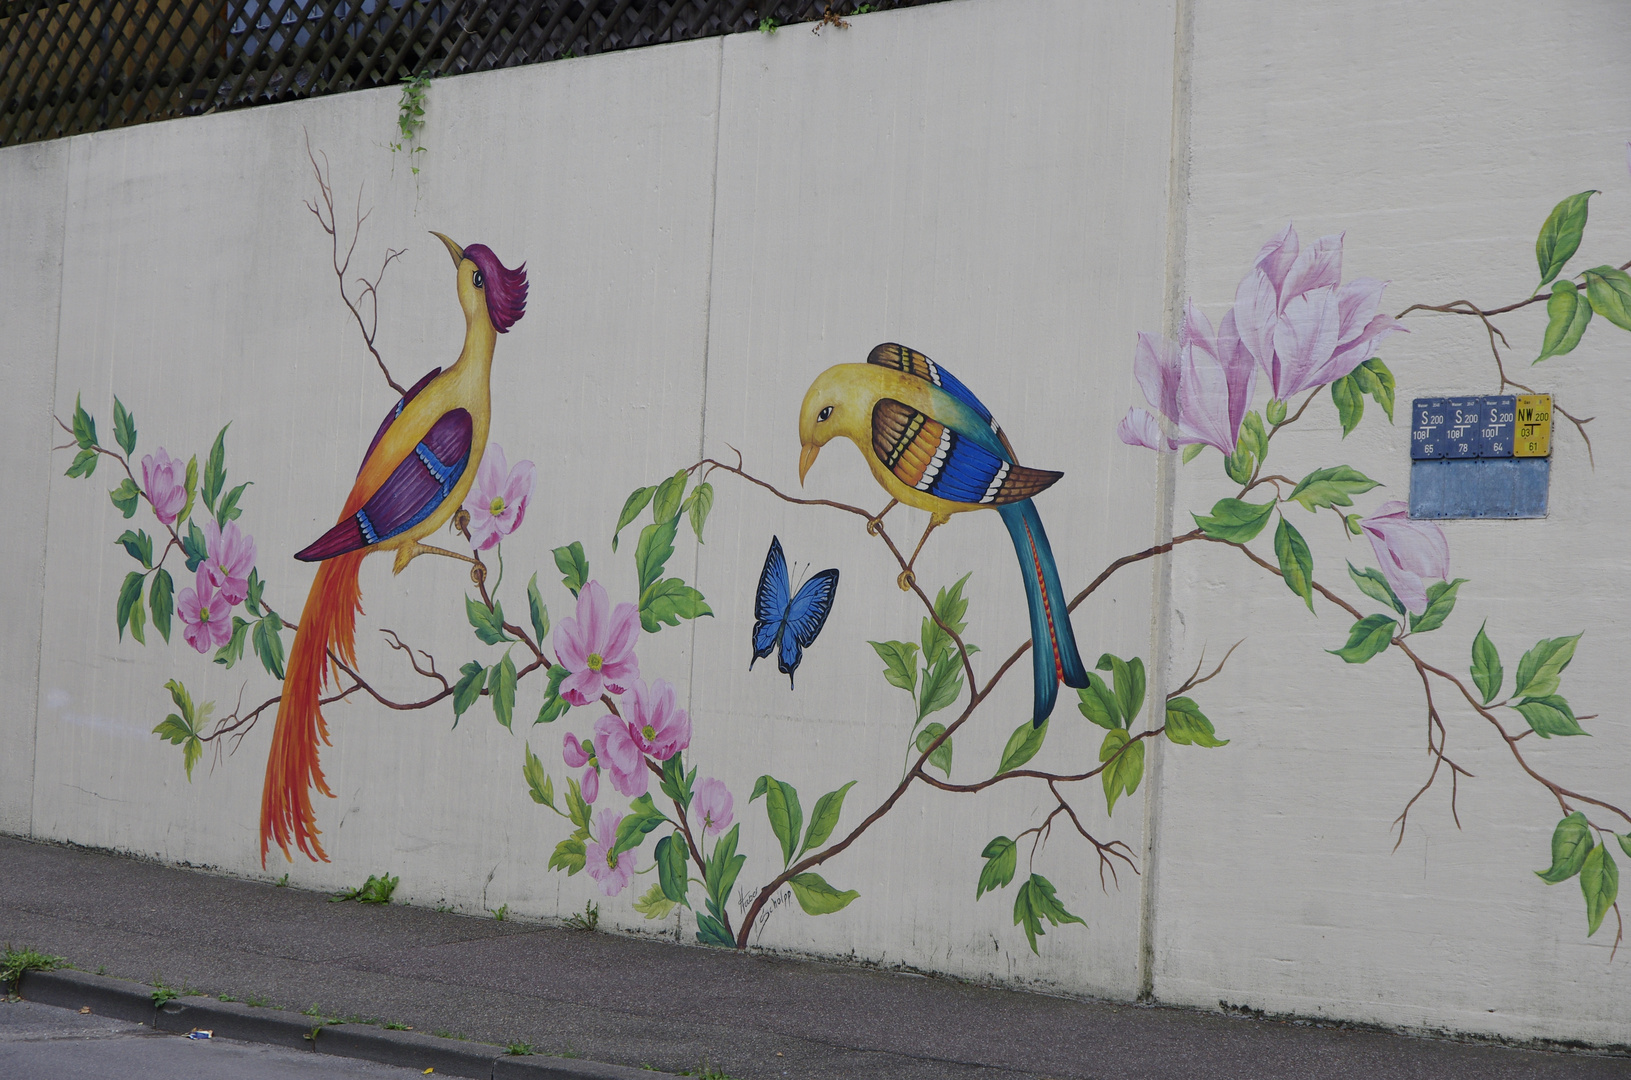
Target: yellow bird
point(932, 444)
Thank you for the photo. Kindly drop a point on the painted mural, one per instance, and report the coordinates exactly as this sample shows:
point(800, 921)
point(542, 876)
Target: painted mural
point(631, 799)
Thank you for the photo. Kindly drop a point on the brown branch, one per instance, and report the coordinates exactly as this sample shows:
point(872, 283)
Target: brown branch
point(1192, 682)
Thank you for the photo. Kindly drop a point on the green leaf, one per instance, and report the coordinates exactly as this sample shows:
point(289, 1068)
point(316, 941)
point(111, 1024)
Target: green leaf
point(537, 609)
point(1234, 521)
point(1193, 451)
point(501, 689)
point(723, 866)
point(900, 663)
point(1296, 561)
point(554, 706)
point(139, 544)
point(1600, 882)
point(824, 817)
point(1188, 726)
point(643, 817)
point(1560, 235)
point(1331, 487)
point(1251, 429)
point(676, 784)
point(1350, 403)
point(1567, 317)
point(949, 606)
point(1098, 703)
point(1625, 842)
point(1383, 384)
point(215, 470)
point(184, 702)
point(700, 502)
point(173, 729)
point(1125, 771)
point(488, 622)
point(653, 904)
point(1487, 673)
point(579, 812)
point(1373, 584)
point(124, 427)
point(84, 426)
point(194, 546)
point(191, 751)
point(84, 464)
point(941, 685)
point(668, 601)
point(228, 510)
point(652, 553)
point(1549, 715)
point(1035, 901)
point(1237, 466)
point(1541, 667)
point(233, 650)
point(569, 561)
point(268, 641)
point(569, 855)
point(192, 489)
point(636, 502)
point(1129, 684)
point(252, 591)
point(1275, 412)
point(1366, 638)
point(665, 502)
point(1001, 857)
point(1608, 290)
point(941, 758)
point(126, 497)
point(130, 599)
point(710, 931)
point(161, 598)
point(467, 689)
point(539, 785)
point(672, 869)
point(138, 617)
point(783, 809)
point(1440, 602)
point(816, 897)
point(1022, 746)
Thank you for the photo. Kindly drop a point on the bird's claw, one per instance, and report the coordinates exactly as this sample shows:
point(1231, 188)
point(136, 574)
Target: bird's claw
point(478, 573)
point(874, 526)
point(906, 581)
point(461, 522)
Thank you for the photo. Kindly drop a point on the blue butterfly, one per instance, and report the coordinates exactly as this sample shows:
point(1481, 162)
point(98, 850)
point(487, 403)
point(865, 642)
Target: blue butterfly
point(781, 616)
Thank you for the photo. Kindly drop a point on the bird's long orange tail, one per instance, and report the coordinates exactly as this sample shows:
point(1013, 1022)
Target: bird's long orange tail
point(328, 622)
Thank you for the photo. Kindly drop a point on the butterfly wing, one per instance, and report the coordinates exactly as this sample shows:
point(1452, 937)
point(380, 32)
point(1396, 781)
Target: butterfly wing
point(770, 602)
point(806, 614)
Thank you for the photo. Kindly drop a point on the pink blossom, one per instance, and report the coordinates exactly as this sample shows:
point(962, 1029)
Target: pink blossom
point(231, 557)
point(577, 754)
point(1303, 326)
point(590, 786)
point(597, 647)
point(573, 752)
point(163, 478)
point(661, 729)
point(712, 806)
point(1203, 384)
point(614, 872)
point(498, 499)
point(205, 614)
point(619, 754)
point(1412, 553)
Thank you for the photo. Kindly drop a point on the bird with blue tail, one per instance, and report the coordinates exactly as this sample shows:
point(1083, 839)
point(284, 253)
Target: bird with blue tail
point(931, 444)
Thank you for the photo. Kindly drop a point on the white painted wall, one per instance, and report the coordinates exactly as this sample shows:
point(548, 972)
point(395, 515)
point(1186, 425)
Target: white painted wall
point(706, 227)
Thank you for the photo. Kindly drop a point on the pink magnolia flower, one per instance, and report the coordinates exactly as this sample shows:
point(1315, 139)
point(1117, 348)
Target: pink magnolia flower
point(573, 753)
point(1303, 326)
point(590, 785)
point(613, 872)
point(498, 499)
point(1412, 553)
point(163, 479)
point(660, 729)
point(712, 807)
point(205, 614)
point(1203, 384)
point(619, 754)
point(578, 754)
point(597, 647)
point(231, 557)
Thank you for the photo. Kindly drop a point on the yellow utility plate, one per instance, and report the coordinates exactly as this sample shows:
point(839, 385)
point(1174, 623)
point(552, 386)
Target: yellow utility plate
point(1534, 419)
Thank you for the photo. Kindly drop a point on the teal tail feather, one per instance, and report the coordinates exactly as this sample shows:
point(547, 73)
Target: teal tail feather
point(1054, 658)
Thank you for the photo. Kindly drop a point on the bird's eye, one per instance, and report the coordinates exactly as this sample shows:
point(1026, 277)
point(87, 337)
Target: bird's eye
point(476, 279)
point(825, 414)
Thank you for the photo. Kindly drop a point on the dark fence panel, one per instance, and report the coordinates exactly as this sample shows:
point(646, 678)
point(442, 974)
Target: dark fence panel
point(87, 65)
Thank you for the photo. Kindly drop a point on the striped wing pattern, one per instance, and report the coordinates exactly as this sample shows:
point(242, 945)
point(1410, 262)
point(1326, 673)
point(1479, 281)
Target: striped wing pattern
point(390, 417)
point(912, 362)
point(925, 454)
point(411, 493)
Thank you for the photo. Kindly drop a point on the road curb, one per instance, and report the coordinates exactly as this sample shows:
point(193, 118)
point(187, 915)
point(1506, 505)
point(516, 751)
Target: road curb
point(124, 1000)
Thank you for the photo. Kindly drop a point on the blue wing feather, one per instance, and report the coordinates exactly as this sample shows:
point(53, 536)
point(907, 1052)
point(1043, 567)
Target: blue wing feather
point(966, 474)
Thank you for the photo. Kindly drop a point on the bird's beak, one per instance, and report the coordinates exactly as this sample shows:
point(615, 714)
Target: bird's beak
point(807, 458)
point(452, 249)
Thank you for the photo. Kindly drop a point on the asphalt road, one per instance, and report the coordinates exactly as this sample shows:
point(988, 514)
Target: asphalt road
point(39, 1042)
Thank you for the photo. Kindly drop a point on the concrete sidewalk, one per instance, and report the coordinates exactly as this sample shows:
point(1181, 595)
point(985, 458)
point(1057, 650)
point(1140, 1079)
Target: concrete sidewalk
point(646, 1003)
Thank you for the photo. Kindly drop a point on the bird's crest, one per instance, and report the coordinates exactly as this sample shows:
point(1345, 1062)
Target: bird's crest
point(506, 289)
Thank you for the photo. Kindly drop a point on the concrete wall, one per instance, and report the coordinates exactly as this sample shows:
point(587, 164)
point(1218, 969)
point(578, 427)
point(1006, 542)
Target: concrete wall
point(1016, 187)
